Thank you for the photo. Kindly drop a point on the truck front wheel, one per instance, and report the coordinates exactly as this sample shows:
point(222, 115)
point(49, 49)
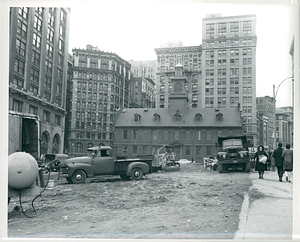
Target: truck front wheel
point(78, 176)
point(137, 173)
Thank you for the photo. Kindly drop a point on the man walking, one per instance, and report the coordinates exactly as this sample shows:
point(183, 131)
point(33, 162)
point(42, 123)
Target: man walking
point(279, 161)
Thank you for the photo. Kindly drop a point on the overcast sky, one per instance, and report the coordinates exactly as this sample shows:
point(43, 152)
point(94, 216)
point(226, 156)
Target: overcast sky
point(133, 30)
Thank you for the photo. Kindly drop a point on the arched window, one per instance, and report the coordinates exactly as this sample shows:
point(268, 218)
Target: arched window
point(84, 75)
point(56, 142)
point(177, 118)
point(80, 75)
point(137, 117)
point(219, 117)
point(45, 142)
point(106, 78)
point(156, 118)
point(198, 118)
point(78, 148)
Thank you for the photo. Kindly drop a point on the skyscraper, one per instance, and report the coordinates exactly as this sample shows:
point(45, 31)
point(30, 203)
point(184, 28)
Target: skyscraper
point(229, 66)
point(100, 87)
point(38, 64)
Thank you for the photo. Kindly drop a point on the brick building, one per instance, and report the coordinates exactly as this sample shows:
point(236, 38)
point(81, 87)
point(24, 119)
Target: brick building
point(192, 131)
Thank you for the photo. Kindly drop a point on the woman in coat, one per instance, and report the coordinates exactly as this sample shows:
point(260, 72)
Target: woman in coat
point(287, 156)
point(261, 167)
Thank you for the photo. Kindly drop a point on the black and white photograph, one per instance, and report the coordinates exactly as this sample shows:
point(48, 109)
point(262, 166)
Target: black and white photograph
point(150, 120)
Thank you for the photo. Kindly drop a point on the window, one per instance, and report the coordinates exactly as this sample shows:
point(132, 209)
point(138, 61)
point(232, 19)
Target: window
point(61, 45)
point(20, 47)
point(58, 120)
point(208, 135)
point(17, 105)
point(166, 135)
point(247, 27)
point(33, 109)
point(37, 23)
point(78, 147)
point(222, 29)
point(19, 66)
point(35, 57)
point(134, 134)
point(176, 135)
point(22, 29)
point(46, 116)
point(34, 77)
point(234, 28)
point(156, 118)
point(137, 118)
point(23, 12)
point(125, 134)
point(187, 135)
point(187, 150)
point(198, 118)
point(36, 40)
point(155, 132)
point(198, 148)
point(134, 150)
point(198, 135)
point(219, 117)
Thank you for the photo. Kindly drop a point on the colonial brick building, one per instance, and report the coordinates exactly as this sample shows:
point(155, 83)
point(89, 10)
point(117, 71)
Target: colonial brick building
point(192, 131)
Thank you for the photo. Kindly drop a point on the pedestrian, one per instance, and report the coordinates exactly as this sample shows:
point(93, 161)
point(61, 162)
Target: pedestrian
point(277, 155)
point(261, 158)
point(287, 156)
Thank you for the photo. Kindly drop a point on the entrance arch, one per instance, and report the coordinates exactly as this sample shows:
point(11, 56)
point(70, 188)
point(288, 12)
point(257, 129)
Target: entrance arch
point(45, 142)
point(56, 143)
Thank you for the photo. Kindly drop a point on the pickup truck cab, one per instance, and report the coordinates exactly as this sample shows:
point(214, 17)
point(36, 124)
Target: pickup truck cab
point(100, 161)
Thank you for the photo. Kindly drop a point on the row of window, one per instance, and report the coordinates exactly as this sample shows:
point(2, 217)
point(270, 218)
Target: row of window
point(233, 62)
point(228, 43)
point(233, 71)
point(232, 28)
point(172, 134)
point(233, 90)
point(93, 135)
point(231, 52)
point(17, 106)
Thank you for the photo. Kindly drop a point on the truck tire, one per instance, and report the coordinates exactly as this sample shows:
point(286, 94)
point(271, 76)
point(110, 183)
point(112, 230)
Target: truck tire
point(78, 177)
point(125, 177)
point(137, 173)
point(220, 168)
point(247, 167)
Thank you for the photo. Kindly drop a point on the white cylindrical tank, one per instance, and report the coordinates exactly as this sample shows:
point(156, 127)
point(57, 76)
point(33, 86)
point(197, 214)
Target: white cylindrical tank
point(22, 170)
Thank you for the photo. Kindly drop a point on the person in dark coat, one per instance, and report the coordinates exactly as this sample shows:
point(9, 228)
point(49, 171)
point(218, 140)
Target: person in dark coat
point(287, 156)
point(259, 166)
point(279, 161)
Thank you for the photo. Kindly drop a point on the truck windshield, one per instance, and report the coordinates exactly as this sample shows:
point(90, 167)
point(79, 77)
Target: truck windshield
point(231, 142)
point(91, 152)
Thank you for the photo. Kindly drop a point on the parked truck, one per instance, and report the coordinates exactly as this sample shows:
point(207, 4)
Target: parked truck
point(24, 133)
point(100, 161)
point(233, 153)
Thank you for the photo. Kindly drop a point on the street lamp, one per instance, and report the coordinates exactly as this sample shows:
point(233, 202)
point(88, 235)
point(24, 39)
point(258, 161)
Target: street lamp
point(274, 97)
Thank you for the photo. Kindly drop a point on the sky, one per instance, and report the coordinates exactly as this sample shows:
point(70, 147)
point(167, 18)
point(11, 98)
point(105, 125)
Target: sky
point(134, 29)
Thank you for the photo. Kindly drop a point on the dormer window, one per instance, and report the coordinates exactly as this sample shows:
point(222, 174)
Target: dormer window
point(177, 118)
point(219, 117)
point(198, 118)
point(137, 118)
point(156, 118)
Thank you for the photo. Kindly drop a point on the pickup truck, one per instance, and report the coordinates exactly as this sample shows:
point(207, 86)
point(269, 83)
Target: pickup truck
point(100, 161)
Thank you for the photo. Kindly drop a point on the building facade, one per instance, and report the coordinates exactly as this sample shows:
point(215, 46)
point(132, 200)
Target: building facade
point(229, 66)
point(167, 59)
point(285, 118)
point(100, 87)
point(142, 92)
point(265, 113)
point(38, 66)
point(192, 131)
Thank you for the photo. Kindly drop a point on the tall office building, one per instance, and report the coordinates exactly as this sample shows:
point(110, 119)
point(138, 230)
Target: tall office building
point(142, 93)
point(100, 87)
point(167, 59)
point(38, 64)
point(229, 66)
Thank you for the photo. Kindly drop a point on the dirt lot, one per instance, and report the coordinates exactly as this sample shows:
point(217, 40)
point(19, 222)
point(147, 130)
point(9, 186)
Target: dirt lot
point(189, 204)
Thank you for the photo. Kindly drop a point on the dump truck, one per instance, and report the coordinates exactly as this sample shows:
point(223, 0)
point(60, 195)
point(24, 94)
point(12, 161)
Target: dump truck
point(233, 153)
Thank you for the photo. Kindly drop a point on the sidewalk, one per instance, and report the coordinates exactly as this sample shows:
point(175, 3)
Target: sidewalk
point(267, 209)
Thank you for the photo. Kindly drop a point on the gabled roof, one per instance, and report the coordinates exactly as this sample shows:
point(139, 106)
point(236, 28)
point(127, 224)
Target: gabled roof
point(231, 118)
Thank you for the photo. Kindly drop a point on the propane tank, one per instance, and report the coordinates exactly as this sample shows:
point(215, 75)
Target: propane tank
point(22, 170)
